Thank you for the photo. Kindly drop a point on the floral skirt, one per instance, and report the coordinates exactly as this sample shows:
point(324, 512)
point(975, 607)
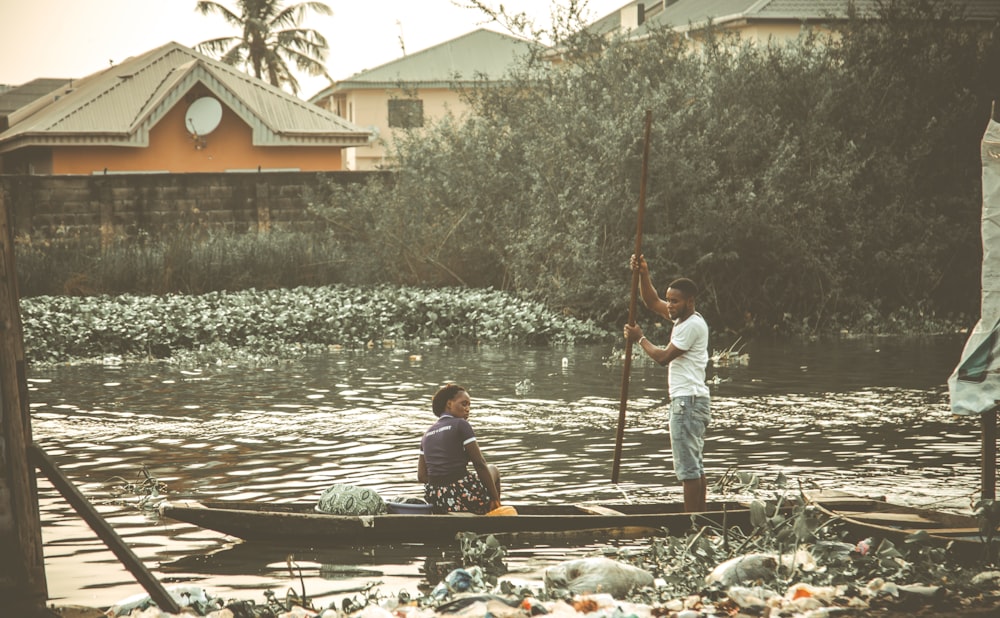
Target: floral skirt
point(466, 494)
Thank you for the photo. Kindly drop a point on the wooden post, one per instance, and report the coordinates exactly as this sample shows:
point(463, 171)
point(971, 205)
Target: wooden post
point(989, 469)
point(263, 203)
point(22, 570)
point(106, 207)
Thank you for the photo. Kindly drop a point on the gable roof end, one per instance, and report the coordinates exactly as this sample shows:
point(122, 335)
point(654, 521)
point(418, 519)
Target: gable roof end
point(119, 105)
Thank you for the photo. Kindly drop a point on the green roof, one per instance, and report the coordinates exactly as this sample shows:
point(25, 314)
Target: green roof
point(686, 14)
point(480, 53)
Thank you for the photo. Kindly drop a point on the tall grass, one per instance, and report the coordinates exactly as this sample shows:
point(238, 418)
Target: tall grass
point(185, 262)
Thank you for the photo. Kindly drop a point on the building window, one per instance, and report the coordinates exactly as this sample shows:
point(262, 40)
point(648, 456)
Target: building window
point(406, 113)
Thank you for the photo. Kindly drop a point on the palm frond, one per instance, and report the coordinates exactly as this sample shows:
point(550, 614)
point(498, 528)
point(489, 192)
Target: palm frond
point(217, 47)
point(207, 7)
point(270, 39)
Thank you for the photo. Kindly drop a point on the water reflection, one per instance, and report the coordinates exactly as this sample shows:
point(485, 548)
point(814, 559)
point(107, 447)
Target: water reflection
point(866, 416)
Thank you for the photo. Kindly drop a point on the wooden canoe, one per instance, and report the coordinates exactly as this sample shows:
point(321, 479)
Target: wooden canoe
point(300, 524)
point(873, 517)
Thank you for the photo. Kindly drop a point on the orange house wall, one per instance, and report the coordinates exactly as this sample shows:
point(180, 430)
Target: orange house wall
point(171, 149)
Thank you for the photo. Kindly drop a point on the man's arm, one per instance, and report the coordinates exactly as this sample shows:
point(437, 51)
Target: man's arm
point(647, 291)
point(662, 356)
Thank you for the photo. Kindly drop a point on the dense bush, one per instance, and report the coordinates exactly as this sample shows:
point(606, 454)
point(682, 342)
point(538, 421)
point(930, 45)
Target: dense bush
point(806, 186)
point(64, 328)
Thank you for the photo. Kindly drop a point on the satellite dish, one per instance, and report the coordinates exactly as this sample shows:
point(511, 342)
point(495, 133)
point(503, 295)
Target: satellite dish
point(203, 116)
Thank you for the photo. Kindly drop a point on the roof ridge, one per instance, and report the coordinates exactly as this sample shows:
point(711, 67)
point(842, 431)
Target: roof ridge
point(757, 6)
point(407, 57)
point(151, 57)
point(154, 93)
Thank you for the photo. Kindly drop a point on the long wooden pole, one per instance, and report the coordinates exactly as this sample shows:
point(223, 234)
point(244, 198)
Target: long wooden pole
point(623, 405)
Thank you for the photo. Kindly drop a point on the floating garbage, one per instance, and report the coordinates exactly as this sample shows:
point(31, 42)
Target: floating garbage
point(757, 567)
point(460, 581)
point(523, 387)
point(808, 583)
point(185, 596)
point(594, 575)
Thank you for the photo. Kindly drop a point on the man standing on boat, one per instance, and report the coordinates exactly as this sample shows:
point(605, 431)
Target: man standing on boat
point(686, 357)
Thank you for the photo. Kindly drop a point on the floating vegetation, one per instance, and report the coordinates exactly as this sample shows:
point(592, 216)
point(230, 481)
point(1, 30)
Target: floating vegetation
point(146, 493)
point(731, 356)
point(285, 323)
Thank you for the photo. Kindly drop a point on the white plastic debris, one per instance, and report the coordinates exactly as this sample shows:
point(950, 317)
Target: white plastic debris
point(183, 595)
point(757, 567)
point(987, 579)
point(374, 611)
point(753, 597)
point(744, 569)
point(596, 575)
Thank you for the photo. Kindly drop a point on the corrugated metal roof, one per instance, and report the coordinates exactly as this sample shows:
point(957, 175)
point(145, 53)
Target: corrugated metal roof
point(815, 9)
point(479, 53)
point(686, 14)
point(16, 97)
point(119, 105)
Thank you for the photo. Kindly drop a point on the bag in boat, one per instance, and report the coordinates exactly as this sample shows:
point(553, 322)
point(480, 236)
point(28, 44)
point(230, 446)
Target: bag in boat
point(350, 500)
point(503, 511)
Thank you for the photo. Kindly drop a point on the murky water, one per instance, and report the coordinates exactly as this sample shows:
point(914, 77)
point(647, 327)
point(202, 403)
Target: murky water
point(867, 416)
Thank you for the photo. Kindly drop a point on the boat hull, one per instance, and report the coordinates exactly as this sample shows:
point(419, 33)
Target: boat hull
point(864, 517)
point(299, 524)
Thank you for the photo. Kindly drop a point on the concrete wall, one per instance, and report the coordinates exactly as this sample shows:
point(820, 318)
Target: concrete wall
point(105, 207)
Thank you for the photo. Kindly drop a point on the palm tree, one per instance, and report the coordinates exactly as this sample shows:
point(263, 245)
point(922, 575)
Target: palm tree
point(270, 39)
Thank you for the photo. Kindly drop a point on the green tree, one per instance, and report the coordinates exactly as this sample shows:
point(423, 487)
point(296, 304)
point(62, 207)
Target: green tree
point(805, 185)
point(270, 38)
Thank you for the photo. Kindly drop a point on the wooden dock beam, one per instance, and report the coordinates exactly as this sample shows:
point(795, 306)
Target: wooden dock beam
point(22, 571)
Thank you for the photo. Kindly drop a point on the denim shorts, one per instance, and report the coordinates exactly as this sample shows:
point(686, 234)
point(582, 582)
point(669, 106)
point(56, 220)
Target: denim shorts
point(689, 416)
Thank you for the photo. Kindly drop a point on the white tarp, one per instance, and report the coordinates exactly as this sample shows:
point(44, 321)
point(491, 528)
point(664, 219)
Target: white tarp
point(974, 386)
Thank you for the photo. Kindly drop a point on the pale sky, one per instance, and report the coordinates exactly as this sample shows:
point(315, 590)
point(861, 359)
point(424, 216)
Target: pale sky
point(74, 38)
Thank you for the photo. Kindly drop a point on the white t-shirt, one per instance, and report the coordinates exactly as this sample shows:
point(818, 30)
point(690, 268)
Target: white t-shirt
point(686, 373)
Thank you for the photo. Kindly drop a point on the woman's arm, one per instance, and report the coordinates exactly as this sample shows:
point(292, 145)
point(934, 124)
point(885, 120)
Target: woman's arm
point(483, 470)
point(422, 469)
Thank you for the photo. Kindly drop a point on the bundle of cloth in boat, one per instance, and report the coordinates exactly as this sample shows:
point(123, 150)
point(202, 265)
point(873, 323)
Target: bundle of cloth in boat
point(350, 500)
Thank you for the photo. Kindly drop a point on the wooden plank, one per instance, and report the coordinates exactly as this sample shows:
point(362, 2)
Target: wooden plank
point(958, 532)
point(597, 509)
point(889, 517)
point(586, 535)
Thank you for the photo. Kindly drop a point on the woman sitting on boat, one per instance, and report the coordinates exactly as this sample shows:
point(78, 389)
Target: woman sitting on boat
point(445, 452)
